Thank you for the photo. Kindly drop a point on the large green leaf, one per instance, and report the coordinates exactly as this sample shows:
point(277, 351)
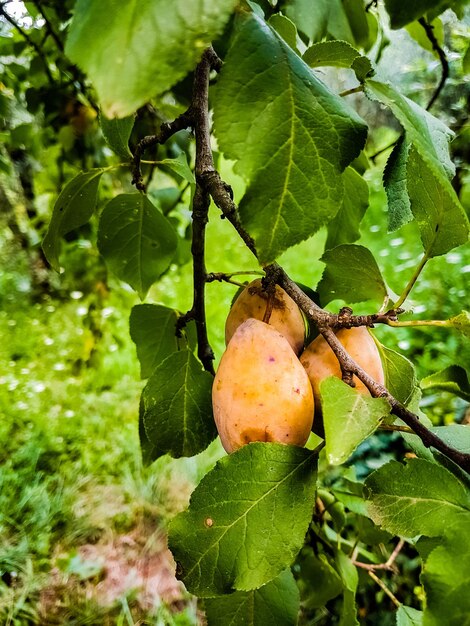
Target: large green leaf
point(348, 417)
point(136, 240)
point(247, 519)
point(453, 379)
point(441, 218)
point(277, 603)
point(402, 13)
point(311, 16)
point(446, 579)
point(117, 133)
point(153, 330)
point(418, 497)
point(344, 227)
point(351, 274)
point(134, 50)
point(291, 136)
point(177, 407)
point(400, 375)
point(399, 206)
point(72, 209)
point(428, 134)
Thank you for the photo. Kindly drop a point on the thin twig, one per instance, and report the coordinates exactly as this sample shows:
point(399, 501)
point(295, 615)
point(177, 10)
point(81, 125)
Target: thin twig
point(389, 565)
point(30, 42)
point(395, 427)
point(412, 281)
point(50, 31)
point(429, 30)
point(349, 92)
point(166, 131)
point(385, 589)
point(417, 323)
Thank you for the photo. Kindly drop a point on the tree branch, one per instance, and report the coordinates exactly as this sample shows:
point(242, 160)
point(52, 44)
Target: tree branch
point(166, 131)
point(429, 30)
point(210, 184)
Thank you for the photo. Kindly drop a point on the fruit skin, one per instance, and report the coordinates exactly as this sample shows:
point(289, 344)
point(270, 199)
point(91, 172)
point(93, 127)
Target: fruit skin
point(320, 361)
point(261, 392)
point(285, 316)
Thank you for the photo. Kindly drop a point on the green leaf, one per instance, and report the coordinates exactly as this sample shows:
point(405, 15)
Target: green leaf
point(407, 616)
point(351, 497)
point(153, 330)
point(466, 61)
point(400, 375)
point(242, 529)
point(455, 435)
point(177, 406)
point(446, 579)
point(417, 498)
point(441, 218)
point(136, 240)
point(331, 53)
point(319, 582)
point(117, 133)
point(369, 533)
point(292, 138)
point(149, 454)
point(350, 580)
point(344, 227)
point(351, 274)
point(311, 17)
point(399, 205)
point(134, 50)
point(453, 379)
point(286, 28)
point(180, 166)
point(338, 23)
point(72, 209)
point(277, 603)
point(348, 417)
point(462, 323)
point(402, 13)
point(357, 18)
point(427, 134)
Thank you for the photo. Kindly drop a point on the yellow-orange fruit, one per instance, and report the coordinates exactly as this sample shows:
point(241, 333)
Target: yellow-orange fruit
point(261, 392)
point(320, 361)
point(285, 315)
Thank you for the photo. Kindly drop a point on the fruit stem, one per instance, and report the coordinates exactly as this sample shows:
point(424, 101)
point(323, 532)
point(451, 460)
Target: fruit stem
point(419, 323)
point(412, 281)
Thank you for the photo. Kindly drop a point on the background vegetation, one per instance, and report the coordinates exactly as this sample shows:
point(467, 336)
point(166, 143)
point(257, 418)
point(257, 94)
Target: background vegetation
point(82, 522)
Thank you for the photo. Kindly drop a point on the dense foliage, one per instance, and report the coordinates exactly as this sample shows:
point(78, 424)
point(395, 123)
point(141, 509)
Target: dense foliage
point(329, 169)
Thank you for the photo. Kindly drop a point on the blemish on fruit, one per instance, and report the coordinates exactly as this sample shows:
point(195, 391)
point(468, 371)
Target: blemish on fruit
point(297, 390)
point(271, 359)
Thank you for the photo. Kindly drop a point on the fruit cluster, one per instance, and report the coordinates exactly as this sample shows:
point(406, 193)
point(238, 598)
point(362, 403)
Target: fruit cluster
point(263, 389)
